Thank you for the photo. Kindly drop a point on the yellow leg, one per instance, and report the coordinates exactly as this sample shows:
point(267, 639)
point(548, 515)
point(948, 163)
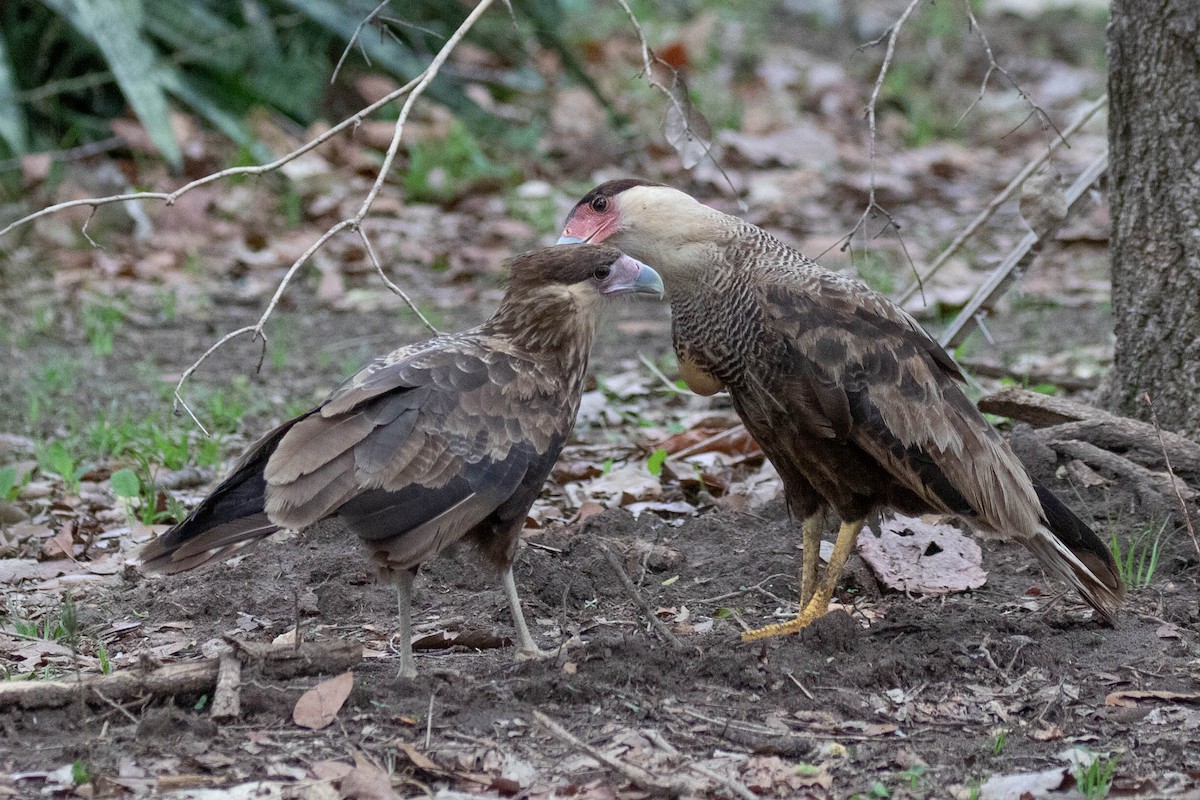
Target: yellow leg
point(811, 530)
point(819, 604)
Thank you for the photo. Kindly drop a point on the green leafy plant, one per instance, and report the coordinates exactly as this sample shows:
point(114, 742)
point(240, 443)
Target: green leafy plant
point(10, 483)
point(442, 170)
point(999, 739)
point(62, 626)
point(218, 59)
point(1137, 561)
point(102, 657)
point(100, 322)
point(80, 773)
point(654, 464)
point(56, 458)
point(913, 775)
point(1095, 778)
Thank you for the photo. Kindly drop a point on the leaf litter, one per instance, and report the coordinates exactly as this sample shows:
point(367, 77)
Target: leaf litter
point(706, 539)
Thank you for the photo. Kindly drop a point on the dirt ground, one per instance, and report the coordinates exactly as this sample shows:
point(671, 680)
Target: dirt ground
point(996, 692)
point(922, 696)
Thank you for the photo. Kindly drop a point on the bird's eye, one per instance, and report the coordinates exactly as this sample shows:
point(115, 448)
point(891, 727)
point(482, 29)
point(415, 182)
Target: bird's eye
point(602, 273)
point(600, 204)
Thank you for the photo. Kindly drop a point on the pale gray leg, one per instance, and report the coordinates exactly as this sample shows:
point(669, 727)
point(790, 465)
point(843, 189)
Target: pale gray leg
point(404, 582)
point(526, 647)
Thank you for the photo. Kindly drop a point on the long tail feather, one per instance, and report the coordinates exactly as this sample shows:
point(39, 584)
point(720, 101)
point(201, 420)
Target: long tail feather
point(1072, 550)
point(231, 516)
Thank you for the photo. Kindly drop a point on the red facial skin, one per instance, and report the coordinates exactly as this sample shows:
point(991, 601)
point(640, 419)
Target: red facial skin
point(594, 222)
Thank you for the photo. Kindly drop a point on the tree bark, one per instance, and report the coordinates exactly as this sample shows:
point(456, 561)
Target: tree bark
point(1154, 194)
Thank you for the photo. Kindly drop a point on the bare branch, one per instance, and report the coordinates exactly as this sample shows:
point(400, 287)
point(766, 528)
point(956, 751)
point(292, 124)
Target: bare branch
point(414, 89)
point(1003, 197)
point(428, 75)
point(364, 22)
point(891, 33)
point(994, 66)
point(680, 104)
point(1187, 517)
point(170, 197)
point(362, 234)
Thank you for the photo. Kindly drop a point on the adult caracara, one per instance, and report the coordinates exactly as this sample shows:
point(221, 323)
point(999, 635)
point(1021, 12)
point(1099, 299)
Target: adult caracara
point(441, 441)
point(855, 405)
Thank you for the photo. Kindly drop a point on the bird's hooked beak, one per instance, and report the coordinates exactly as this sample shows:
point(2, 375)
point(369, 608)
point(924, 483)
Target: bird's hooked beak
point(629, 275)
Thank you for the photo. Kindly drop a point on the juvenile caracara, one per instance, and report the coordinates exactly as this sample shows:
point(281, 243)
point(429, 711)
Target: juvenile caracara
point(855, 405)
point(446, 440)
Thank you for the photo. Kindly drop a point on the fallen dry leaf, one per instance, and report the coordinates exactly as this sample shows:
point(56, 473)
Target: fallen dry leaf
point(1130, 698)
point(318, 707)
point(472, 640)
point(367, 782)
point(1021, 785)
point(920, 557)
point(418, 759)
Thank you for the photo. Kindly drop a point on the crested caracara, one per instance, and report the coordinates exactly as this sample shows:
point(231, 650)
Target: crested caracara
point(854, 403)
point(449, 439)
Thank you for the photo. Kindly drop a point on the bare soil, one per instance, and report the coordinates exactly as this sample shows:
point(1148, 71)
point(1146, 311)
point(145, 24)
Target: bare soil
point(926, 697)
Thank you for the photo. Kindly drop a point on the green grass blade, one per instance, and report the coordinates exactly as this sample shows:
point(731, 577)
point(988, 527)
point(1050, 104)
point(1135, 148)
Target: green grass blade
point(115, 26)
point(12, 118)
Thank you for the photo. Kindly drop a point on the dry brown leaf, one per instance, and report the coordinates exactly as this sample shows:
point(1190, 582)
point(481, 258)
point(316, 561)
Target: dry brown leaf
point(912, 555)
point(1130, 698)
point(1020, 785)
point(61, 544)
point(418, 759)
point(367, 782)
point(318, 707)
point(472, 640)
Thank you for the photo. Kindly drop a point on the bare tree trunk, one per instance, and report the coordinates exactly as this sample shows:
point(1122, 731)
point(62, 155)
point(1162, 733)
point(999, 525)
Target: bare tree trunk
point(1154, 193)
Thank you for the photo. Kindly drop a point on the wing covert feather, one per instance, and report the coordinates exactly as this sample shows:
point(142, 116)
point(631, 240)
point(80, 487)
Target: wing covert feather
point(862, 369)
point(421, 445)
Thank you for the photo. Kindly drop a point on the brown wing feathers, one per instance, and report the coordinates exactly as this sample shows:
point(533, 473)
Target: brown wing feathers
point(857, 406)
point(448, 438)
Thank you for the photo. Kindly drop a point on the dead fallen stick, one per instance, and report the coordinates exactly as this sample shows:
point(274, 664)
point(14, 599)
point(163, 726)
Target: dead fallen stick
point(1144, 481)
point(987, 369)
point(732, 784)
point(632, 773)
point(1039, 410)
point(1136, 441)
point(227, 696)
point(632, 591)
point(192, 677)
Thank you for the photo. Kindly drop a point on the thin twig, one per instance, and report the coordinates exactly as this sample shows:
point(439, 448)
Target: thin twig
point(169, 198)
point(667, 383)
point(429, 720)
point(364, 22)
point(117, 706)
point(891, 33)
point(634, 774)
point(1003, 197)
point(632, 591)
point(649, 60)
point(994, 66)
point(1187, 517)
point(388, 281)
point(701, 445)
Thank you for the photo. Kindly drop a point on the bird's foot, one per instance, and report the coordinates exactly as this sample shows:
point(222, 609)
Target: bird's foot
point(535, 653)
point(811, 613)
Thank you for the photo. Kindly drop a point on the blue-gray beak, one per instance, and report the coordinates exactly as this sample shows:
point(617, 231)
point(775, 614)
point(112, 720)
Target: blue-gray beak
point(569, 240)
point(629, 275)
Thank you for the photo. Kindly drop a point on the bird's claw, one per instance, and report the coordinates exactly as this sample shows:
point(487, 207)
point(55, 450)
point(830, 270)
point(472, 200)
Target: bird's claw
point(810, 614)
point(535, 653)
